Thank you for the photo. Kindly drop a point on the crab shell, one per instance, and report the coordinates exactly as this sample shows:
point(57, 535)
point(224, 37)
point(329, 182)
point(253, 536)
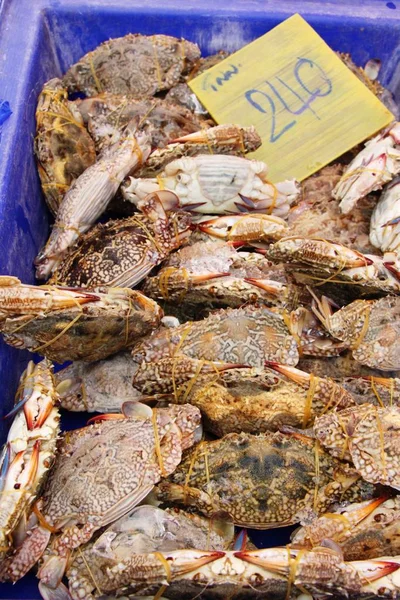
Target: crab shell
point(216, 184)
point(101, 386)
point(260, 400)
point(65, 324)
point(243, 336)
point(262, 481)
point(106, 115)
point(368, 436)
point(372, 330)
point(363, 530)
point(122, 252)
point(135, 64)
point(119, 459)
point(63, 147)
point(29, 450)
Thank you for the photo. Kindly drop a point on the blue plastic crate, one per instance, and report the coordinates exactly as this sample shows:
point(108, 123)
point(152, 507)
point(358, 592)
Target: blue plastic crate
point(40, 39)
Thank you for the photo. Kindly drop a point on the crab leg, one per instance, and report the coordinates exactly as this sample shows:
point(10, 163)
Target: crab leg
point(22, 299)
point(372, 570)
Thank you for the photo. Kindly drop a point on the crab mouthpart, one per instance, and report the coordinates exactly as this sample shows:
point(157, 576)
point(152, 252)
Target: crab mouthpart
point(371, 570)
point(241, 540)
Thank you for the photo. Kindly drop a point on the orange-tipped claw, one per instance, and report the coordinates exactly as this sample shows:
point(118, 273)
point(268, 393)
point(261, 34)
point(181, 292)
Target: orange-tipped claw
point(184, 561)
point(225, 366)
point(206, 277)
point(300, 377)
point(371, 570)
point(390, 267)
point(29, 473)
point(272, 559)
point(198, 137)
point(105, 417)
point(265, 284)
point(362, 513)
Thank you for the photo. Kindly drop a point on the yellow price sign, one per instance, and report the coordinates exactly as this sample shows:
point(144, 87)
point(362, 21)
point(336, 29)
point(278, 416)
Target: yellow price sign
point(307, 106)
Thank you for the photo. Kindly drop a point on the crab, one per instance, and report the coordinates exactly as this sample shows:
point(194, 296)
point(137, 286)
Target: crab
point(64, 324)
point(259, 400)
point(317, 214)
point(218, 184)
point(29, 450)
point(243, 336)
point(384, 231)
point(315, 259)
point(374, 166)
point(278, 573)
point(222, 139)
point(102, 386)
point(366, 435)
point(106, 115)
point(63, 147)
point(101, 473)
point(369, 327)
point(89, 196)
point(216, 275)
point(363, 530)
point(135, 64)
point(122, 252)
point(262, 481)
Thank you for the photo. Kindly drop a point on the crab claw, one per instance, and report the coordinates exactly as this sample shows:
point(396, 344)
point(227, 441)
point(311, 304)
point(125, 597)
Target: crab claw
point(390, 267)
point(184, 561)
point(21, 474)
point(221, 366)
point(300, 377)
point(368, 507)
point(195, 279)
point(198, 137)
point(275, 288)
point(276, 560)
point(105, 417)
point(371, 570)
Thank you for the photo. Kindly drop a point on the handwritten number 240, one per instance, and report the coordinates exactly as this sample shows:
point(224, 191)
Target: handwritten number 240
point(255, 96)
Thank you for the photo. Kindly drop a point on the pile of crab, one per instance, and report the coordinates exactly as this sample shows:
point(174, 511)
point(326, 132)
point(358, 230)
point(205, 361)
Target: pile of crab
point(238, 338)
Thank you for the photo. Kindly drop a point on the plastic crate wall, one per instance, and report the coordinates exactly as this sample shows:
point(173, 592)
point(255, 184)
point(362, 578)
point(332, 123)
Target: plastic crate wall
point(40, 39)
